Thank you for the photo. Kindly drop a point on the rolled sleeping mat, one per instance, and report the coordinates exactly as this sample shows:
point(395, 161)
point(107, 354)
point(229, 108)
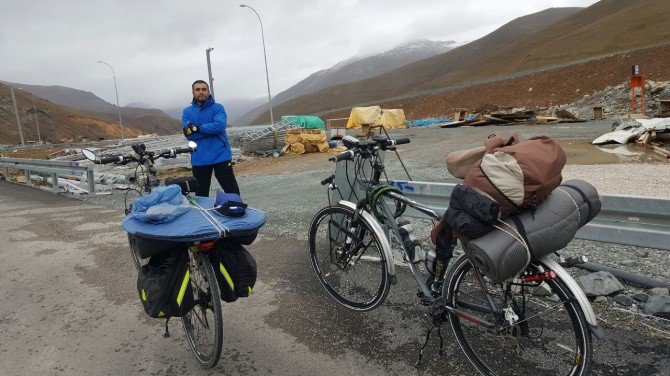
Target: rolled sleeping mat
point(586, 196)
point(505, 251)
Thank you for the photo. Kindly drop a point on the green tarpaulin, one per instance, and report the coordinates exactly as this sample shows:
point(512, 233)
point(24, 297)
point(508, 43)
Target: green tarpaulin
point(305, 121)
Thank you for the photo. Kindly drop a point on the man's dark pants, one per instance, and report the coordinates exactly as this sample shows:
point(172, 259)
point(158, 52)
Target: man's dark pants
point(224, 175)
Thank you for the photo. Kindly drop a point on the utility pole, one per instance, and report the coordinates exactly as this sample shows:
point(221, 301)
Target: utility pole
point(209, 71)
point(16, 111)
point(37, 124)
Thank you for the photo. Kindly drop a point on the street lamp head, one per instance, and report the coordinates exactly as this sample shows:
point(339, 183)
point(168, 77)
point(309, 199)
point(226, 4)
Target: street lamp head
point(243, 5)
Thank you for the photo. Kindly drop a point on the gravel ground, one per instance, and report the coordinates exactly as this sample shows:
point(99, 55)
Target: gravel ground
point(291, 193)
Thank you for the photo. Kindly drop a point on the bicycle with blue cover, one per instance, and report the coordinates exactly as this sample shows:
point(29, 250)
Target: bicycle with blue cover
point(188, 225)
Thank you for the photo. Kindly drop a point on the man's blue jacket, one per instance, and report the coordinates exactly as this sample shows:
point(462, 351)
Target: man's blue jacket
point(213, 145)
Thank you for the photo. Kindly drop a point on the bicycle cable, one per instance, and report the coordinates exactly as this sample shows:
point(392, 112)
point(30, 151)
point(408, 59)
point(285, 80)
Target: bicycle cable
point(398, 155)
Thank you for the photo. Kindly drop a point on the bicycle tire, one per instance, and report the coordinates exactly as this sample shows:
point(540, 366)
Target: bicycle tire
point(551, 335)
point(204, 323)
point(352, 269)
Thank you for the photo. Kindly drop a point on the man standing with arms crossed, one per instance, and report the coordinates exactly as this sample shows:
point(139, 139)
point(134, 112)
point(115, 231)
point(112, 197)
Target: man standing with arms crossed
point(205, 123)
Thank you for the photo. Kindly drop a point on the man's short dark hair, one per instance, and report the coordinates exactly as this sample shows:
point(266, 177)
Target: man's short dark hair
point(199, 82)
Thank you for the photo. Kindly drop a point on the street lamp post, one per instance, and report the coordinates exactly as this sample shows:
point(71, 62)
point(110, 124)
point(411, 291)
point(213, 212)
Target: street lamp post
point(118, 107)
point(267, 76)
point(209, 71)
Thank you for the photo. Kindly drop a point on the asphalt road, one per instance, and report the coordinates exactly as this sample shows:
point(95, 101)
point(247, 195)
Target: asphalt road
point(69, 304)
point(70, 307)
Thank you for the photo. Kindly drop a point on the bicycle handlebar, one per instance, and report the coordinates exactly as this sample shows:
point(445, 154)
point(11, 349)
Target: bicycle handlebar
point(345, 155)
point(123, 159)
point(105, 160)
point(328, 180)
point(376, 142)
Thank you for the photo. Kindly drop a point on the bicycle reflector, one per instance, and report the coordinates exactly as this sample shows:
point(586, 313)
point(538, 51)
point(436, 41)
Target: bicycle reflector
point(203, 246)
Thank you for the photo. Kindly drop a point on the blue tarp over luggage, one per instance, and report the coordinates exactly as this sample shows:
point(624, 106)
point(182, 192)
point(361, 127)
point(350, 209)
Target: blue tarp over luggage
point(200, 222)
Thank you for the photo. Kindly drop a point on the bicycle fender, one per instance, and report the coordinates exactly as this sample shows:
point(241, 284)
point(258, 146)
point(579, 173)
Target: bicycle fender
point(577, 292)
point(377, 228)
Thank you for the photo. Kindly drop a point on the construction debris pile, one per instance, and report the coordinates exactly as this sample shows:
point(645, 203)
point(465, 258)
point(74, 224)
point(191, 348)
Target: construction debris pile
point(649, 133)
point(301, 141)
point(374, 116)
point(491, 114)
point(616, 101)
point(269, 140)
point(611, 102)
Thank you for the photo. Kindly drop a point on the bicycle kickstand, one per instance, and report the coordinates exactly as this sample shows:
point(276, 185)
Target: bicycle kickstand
point(437, 310)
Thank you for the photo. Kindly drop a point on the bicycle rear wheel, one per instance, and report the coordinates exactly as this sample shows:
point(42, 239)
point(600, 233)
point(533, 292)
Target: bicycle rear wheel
point(204, 323)
point(348, 259)
point(540, 329)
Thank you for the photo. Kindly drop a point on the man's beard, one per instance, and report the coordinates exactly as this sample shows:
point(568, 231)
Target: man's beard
point(202, 101)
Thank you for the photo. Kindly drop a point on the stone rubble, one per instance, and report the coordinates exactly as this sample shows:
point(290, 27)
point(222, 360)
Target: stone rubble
point(616, 101)
point(603, 287)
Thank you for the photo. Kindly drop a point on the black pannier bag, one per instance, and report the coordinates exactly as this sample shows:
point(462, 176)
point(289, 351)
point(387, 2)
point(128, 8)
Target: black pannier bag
point(187, 184)
point(164, 285)
point(147, 247)
point(235, 270)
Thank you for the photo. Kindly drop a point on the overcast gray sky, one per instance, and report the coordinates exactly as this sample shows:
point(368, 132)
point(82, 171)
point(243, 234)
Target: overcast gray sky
point(157, 48)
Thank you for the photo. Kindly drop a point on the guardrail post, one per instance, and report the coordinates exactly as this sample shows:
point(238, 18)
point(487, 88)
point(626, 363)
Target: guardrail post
point(27, 173)
point(54, 182)
point(90, 181)
point(7, 178)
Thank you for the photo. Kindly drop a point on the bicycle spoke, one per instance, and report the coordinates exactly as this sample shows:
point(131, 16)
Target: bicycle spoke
point(348, 259)
point(534, 333)
point(203, 324)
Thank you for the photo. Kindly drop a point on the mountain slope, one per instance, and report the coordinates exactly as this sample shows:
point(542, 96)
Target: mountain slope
point(55, 121)
point(413, 75)
point(356, 69)
point(560, 36)
point(147, 120)
point(605, 27)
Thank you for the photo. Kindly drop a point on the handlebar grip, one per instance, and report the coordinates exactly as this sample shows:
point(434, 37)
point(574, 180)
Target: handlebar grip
point(342, 156)
point(328, 180)
point(401, 141)
point(105, 160)
point(182, 150)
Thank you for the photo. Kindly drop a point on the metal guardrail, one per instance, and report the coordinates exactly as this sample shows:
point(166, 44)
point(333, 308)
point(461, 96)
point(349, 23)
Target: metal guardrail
point(630, 220)
point(54, 168)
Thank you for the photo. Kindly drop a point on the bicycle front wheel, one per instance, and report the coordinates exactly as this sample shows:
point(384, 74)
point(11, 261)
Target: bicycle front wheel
point(348, 259)
point(204, 323)
point(539, 328)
